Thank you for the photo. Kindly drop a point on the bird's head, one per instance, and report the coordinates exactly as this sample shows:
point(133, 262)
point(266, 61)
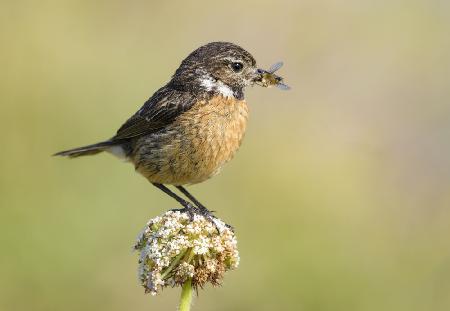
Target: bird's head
point(219, 67)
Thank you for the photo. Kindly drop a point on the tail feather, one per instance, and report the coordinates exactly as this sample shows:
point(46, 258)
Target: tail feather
point(86, 150)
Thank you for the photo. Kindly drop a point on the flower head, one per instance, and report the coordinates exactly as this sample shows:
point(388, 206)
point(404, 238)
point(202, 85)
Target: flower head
point(175, 247)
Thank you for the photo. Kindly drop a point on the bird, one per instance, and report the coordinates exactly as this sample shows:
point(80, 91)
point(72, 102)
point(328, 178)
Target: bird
point(189, 128)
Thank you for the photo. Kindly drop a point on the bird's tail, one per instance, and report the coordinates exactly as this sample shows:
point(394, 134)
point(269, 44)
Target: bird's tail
point(86, 150)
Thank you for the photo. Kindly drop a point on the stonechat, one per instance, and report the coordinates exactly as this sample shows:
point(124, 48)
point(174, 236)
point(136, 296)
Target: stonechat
point(190, 127)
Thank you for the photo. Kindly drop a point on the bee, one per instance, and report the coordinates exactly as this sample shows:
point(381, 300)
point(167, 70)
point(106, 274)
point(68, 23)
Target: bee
point(269, 78)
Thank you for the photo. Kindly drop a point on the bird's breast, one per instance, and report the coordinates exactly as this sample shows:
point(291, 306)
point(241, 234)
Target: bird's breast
point(197, 144)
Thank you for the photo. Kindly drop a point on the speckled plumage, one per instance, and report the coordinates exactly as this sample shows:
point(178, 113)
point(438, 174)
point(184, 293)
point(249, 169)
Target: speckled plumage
point(195, 146)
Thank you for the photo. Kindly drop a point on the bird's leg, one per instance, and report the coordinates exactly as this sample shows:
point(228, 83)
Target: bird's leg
point(188, 207)
point(203, 210)
point(192, 198)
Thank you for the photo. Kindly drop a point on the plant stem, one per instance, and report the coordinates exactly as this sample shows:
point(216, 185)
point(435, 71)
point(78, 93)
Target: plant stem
point(186, 296)
point(174, 262)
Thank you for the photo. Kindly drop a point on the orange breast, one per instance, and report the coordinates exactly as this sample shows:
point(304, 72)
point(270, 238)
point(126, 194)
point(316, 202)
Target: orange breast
point(197, 145)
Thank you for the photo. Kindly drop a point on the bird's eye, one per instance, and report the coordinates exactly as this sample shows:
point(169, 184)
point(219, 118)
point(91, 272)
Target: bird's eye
point(237, 66)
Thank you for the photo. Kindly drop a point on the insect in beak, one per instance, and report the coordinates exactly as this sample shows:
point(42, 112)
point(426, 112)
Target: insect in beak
point(268, 78)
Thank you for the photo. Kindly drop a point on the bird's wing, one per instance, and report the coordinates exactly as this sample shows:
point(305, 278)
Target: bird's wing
point(157, 112)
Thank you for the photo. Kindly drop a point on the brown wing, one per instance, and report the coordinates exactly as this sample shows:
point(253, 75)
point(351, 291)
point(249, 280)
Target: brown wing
point(157, 112)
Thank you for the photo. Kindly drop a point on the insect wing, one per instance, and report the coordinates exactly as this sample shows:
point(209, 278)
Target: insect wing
point(283, 86)
point(275, 67)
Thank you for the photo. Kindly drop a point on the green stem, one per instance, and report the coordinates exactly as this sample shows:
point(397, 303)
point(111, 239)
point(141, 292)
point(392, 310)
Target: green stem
point(186, 296)
point(172, 265)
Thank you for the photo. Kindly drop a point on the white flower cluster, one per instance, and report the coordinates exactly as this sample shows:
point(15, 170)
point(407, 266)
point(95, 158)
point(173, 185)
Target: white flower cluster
point(175, 247)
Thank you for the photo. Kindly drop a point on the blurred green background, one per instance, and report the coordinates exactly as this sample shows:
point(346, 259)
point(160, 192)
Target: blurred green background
point(339, 195)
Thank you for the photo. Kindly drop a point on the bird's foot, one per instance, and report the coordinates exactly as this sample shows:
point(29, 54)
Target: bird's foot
point(193, 210)
point(189, 209)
